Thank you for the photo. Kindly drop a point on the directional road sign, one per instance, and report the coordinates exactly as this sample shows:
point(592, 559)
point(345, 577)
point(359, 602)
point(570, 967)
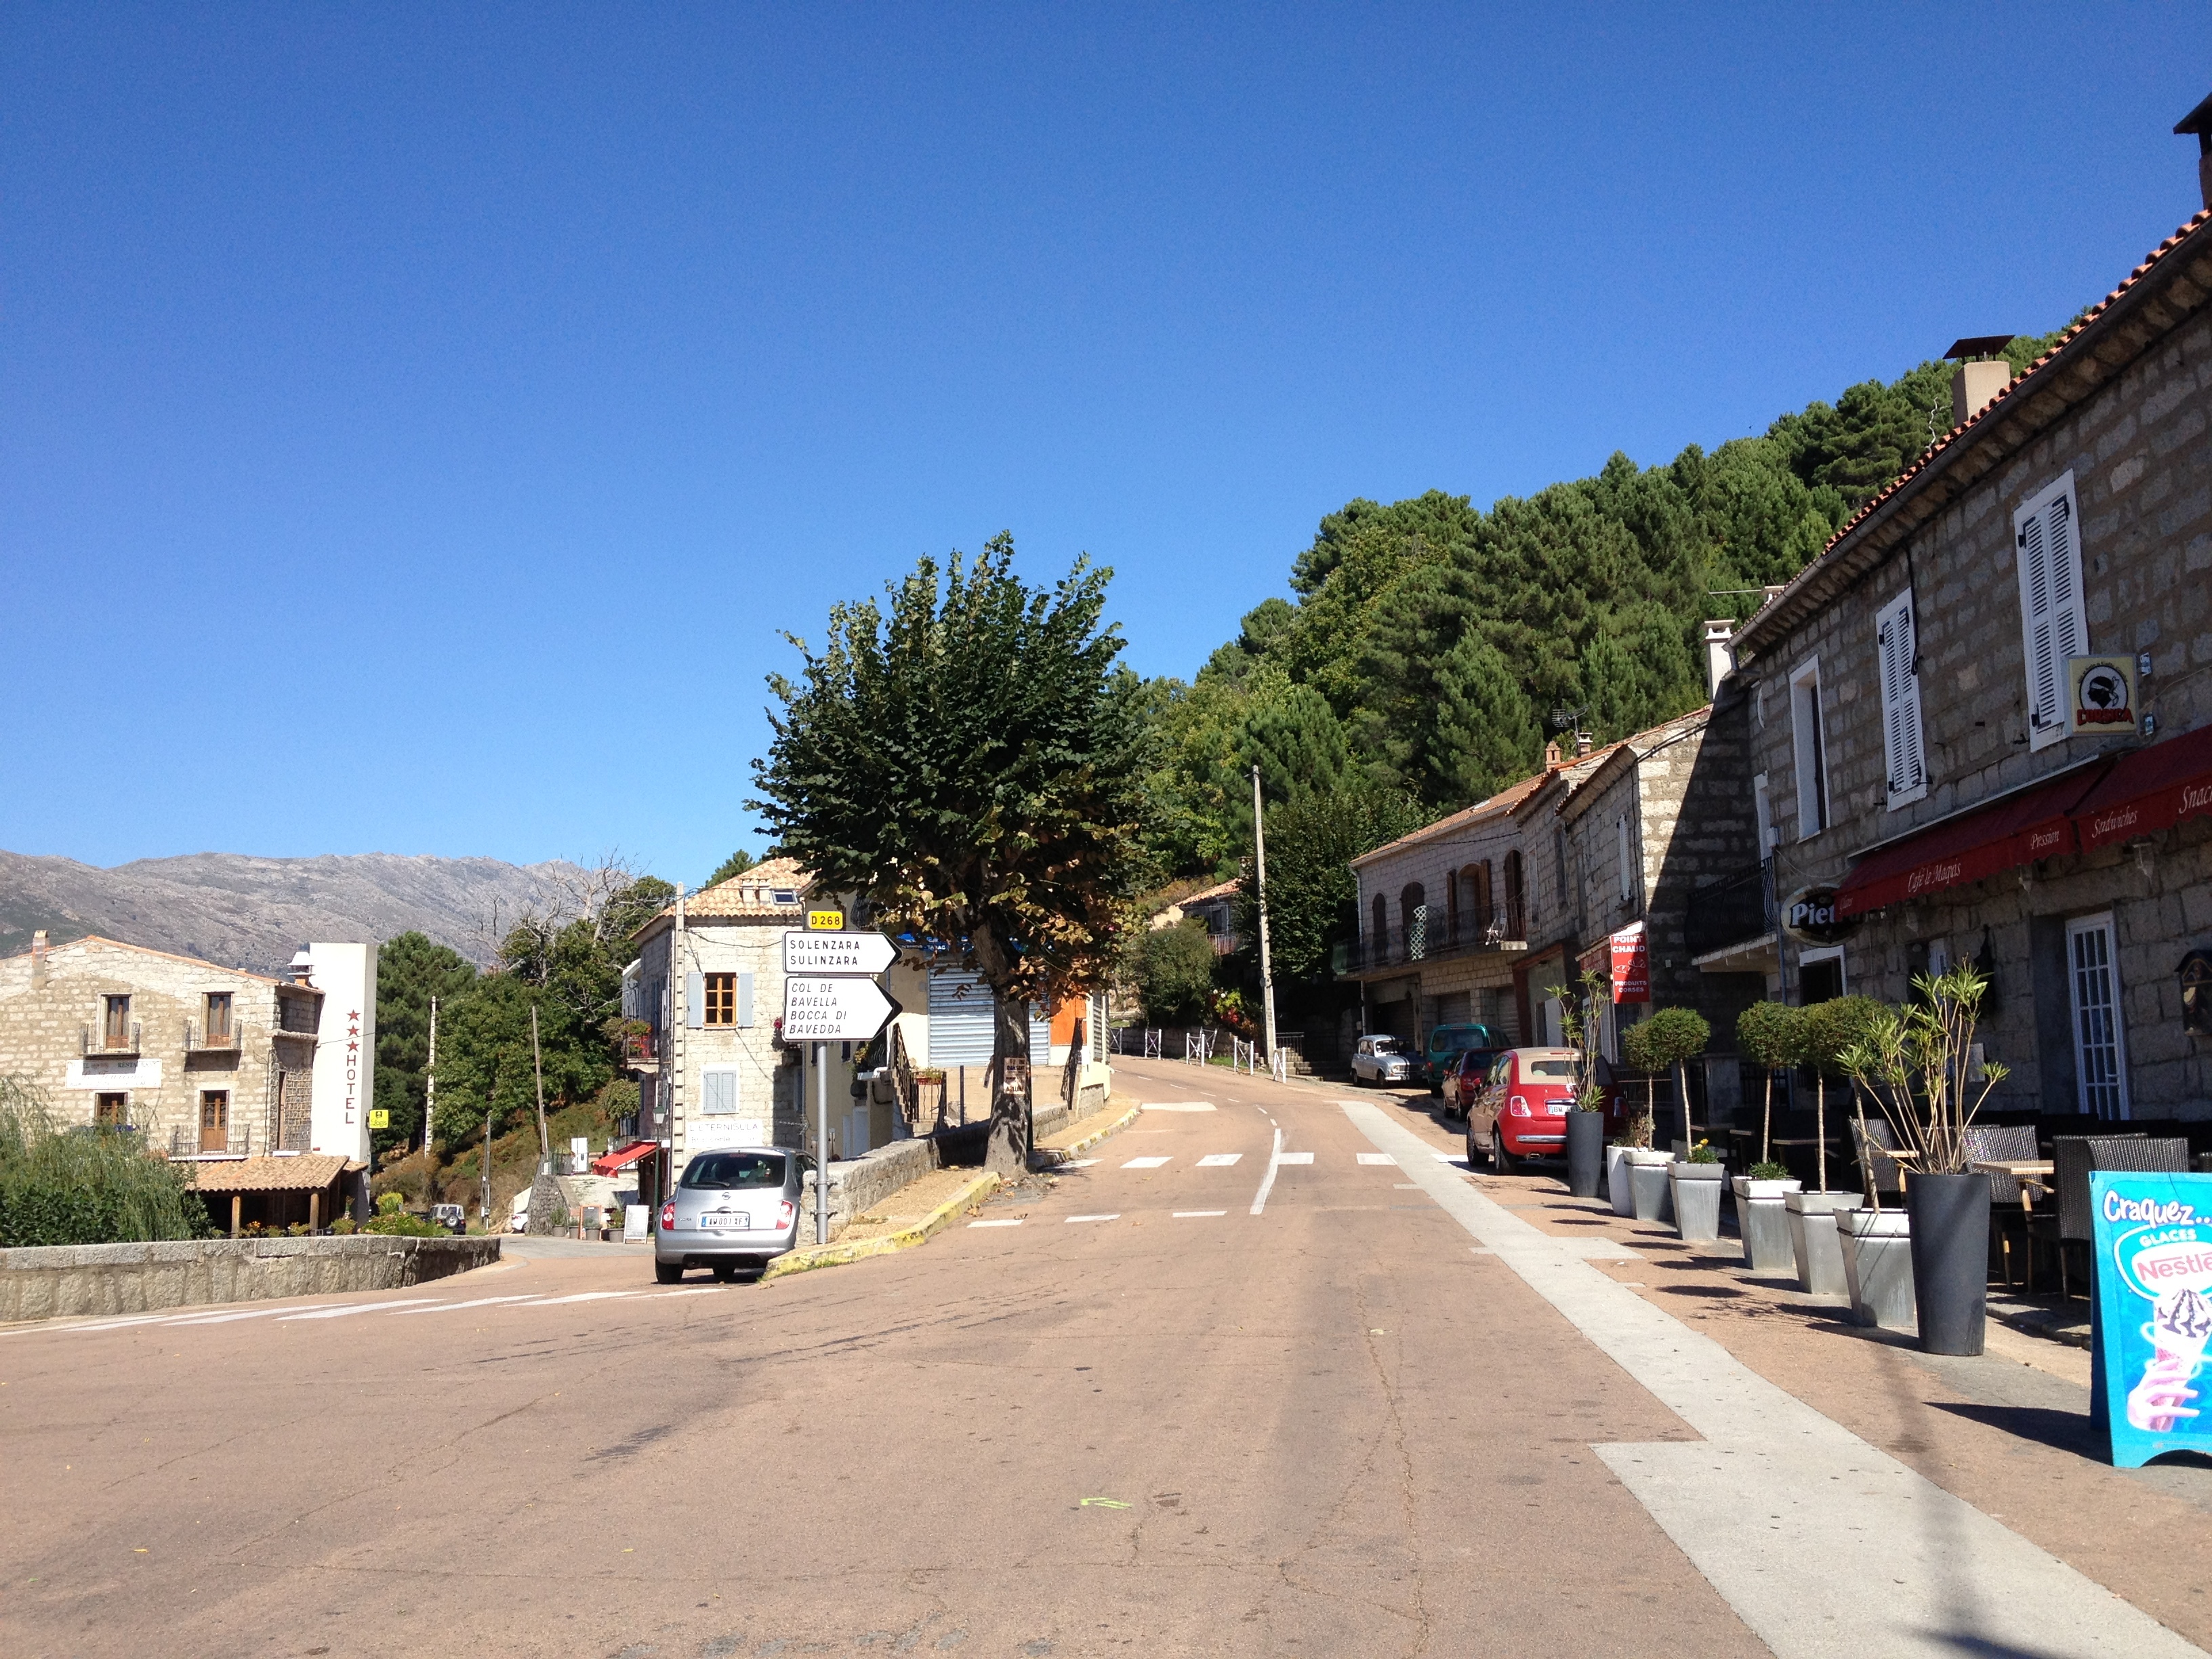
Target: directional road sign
point(824, 1010)
point(863, 954)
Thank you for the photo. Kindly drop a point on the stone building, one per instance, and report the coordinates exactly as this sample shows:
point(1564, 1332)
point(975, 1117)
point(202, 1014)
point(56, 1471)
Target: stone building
point(199, 1058)
point(1944, 769)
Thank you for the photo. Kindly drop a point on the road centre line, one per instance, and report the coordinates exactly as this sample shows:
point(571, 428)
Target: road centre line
point(248, 1313)
point(1189, 1215)
point(1009, 1221)
point(1177, 1105)
point(1268, 1182)
point(455, 1307)
point(1218, 1160)
point(1377, 1157)
point(356, 1307)
point(1789, 1515)
point(1144, 1163)
point(582, 1296)
point(1072, 1219)
point(1293, 1157)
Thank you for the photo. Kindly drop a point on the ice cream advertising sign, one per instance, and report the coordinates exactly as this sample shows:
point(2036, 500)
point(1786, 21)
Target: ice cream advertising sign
point(2154, 1312)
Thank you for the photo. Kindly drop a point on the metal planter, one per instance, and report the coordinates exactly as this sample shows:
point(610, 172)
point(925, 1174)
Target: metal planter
point(1813, 1246)
point(1696, 1189)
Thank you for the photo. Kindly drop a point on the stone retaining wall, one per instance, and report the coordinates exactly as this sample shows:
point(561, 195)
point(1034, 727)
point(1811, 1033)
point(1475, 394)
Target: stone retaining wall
point(56, 1281)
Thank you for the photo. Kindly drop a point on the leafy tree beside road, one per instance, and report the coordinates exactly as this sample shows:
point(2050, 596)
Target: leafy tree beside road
point(969, 763)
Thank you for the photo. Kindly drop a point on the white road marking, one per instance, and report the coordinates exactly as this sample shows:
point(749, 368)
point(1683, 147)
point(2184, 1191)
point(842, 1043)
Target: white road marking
point(1218, 1160)
point(105, 1325)
point(1013, 1221)
point(1079, 1163)
point(1178, 1105)
point(1072, 1219)
point(1377, 1157)
point(1268, 1182)
point(582, 1296)
point(455, 1307)
point(249, 1313)
point(1188, 1215)
point(1293, 1157)
point(1788, 1515)
point(358, 1308)
point(1144, 1163)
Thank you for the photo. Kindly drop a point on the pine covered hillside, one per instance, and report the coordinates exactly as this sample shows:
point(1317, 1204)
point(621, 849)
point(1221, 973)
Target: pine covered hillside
point(1430, 639)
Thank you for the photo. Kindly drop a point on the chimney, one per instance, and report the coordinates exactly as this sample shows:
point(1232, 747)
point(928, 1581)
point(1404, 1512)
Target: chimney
point(2199, 121)
point(1720, 653)
point(1980, 375)
point(1551, 757)
point(39, 960)
point(1582, 743)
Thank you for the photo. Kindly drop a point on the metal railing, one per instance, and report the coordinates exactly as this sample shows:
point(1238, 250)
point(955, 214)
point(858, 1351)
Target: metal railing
point(1457, 936)
point(221, 1039)
point(234, 1139)
point(642, 1051)
point(108, 1041)
point(1734, 910)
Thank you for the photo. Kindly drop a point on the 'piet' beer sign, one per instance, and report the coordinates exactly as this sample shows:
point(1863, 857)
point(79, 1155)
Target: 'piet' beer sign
point(1809, 915)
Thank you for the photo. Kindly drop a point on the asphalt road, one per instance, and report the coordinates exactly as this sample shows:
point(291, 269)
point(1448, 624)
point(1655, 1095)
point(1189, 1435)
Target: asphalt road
point(1195, 1399)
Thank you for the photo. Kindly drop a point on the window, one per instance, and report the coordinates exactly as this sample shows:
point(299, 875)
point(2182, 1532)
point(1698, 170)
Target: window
point(1378, 940)
point(2052, 627)
point(1516, 897)
point(718, 1090)
point(1483, 913)
point(218, 1019)
point(1414, 914)
point(215, 1120)
point(115, 1032)
point(1897, 651)
point(1820, 976)
point(1763, 807)
point(786, 896)
point(1811, 750)
point(1451, 903)
point(721, 999)
point(2100, 1057)
point(111, 1111)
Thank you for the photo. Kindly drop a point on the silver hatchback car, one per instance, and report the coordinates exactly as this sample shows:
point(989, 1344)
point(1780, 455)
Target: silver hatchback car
point(734, 1210)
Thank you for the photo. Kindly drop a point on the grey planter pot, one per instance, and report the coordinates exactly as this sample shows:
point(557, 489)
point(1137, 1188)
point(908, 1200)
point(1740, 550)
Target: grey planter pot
point(1950, 1260)
point(1696, 1189)
point(1616, 1186)
point(1647, 1181)
point(1877, 1251)
point(1585, 1152)
point(1819, 1258)
point(1760, 1217)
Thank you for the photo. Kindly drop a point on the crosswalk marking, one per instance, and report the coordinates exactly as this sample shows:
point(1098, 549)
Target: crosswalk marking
point(1190, 1215)
point(1117, 1216)
point(1218, 1160)
point(1379, 1157)
point(1009, 1221)
point(1144, 1163)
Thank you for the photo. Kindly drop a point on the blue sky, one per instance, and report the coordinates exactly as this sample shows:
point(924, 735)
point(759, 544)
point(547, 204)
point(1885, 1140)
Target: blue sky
point(419, 422)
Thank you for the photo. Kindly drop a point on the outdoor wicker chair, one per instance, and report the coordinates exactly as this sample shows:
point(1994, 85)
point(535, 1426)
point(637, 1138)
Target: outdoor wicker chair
point(2006, 1143)
point(1875, 1143)
point(2071, 1163)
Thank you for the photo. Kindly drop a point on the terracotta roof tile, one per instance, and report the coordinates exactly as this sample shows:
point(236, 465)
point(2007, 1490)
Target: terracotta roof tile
point(300, 1172)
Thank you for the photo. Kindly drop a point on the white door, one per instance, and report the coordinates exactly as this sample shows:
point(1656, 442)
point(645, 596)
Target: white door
point(2100, 1055)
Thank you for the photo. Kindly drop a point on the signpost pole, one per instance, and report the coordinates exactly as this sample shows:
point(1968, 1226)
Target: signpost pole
point(1259, 890)
point(821, 1145)
point(430, 1082)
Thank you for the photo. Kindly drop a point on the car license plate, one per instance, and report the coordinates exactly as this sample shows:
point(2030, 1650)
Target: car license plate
point(725, 1221)
point(1556, 1108)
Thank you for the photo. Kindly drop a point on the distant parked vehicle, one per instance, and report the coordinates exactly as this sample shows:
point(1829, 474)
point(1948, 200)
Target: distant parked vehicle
point(451, 1217)
point(1469, 1071)
point(517, 1213)
point(733, 1211)
point(1382, 1059)
point(1447, 1043)
point(1520, 1110)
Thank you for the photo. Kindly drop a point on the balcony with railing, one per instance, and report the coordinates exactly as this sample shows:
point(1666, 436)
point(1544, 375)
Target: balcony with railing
point(1734, 916)
point(229, 1139)
point(216, 1039)
point(641, 1050)
point(117, 1039)
point(1433, 938)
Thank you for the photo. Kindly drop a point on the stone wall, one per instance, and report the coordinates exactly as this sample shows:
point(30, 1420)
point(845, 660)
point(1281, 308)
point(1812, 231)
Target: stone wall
point(75, 1279)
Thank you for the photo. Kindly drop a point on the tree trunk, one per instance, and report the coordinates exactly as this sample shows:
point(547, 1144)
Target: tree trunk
point(1007, 1152)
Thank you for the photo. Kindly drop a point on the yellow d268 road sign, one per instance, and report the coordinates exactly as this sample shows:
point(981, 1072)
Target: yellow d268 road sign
point(824, 921)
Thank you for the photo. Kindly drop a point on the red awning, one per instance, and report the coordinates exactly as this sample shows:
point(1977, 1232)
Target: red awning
point(2034, 823)
point(2149, 790)
point(609, 1162)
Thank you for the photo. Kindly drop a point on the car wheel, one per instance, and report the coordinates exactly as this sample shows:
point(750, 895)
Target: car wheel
point(668, 1272)
point(1501, 1161)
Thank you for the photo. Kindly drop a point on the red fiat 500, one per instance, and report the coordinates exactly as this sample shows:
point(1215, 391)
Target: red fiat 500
point(1521, 1110)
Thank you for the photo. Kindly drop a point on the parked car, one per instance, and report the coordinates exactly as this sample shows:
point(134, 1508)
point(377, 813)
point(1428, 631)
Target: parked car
point(1470, 1069)
point(1382, 1059)
point(1520, 1110)
point(733, 1210)
point(451, 1217)
point(1447, 1043)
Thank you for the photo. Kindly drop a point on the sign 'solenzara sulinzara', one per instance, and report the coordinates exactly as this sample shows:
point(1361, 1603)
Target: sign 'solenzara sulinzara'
point(832, 1010)
point(864, 954)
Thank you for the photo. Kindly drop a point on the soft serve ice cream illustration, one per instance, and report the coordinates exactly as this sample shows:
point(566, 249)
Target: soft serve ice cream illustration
point(2180, 1320)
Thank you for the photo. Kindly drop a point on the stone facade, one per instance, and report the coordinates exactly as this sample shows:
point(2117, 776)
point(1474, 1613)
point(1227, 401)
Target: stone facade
point(183, 1092)
point(2121, 409)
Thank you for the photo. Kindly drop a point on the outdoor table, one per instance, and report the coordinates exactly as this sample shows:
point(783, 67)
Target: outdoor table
point(2035, 1176)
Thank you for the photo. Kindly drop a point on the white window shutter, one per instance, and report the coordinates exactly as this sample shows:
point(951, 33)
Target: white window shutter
point(718, 1093)
point(694, 1001)
point(2052, 627)
point(744, 1000)
point(1903, 753)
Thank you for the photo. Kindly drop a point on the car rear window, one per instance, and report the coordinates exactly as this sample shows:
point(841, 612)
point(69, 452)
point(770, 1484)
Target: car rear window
point(1382, 1045)
point(727, 1171)
point(1460, 1036)
point(1563, 1068)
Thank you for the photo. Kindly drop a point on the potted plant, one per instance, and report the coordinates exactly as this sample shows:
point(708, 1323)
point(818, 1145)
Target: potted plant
point(1917, 1063)
point(1771, 1035)
point(1828, 1029)
point(1586, 1150)
point(1696, 1183)
point(1651, 1194)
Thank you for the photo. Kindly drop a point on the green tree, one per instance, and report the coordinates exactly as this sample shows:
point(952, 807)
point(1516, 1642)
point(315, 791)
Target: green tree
point(1312, 896)
point(1833, 1028)
point(411, 969)
point(1174, 971)
point(1771, 1036)
point(971, 765)
point(736, 865)
point(1667, 1041)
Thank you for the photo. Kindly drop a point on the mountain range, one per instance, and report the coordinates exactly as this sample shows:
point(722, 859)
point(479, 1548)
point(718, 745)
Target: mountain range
point(254, 913)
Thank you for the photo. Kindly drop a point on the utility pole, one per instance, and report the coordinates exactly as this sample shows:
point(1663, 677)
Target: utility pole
point(538, 1070)
point(1267, 968)
point(483, 1203)
point(430, 1082)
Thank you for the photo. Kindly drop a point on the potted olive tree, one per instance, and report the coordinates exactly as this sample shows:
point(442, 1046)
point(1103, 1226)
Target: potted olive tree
point(1666, 1041)
point(1829, 1028)
point(1586, 1159)
point(1917, 1064)
point(1771, 1035)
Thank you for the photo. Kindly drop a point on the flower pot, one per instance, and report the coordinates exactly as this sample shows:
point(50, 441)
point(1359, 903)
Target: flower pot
point(1813, 1247)
point(1652, 1191)
point(1766, 1227)
point(1616, 1180)
point(1696, 1189)
point(1585, 1152)
point(1877, 1251)
point(1950, 1259)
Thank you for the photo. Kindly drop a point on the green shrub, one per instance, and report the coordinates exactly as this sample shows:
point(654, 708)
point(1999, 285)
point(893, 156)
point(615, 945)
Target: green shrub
point(400, 1225)
point(84, 1186)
